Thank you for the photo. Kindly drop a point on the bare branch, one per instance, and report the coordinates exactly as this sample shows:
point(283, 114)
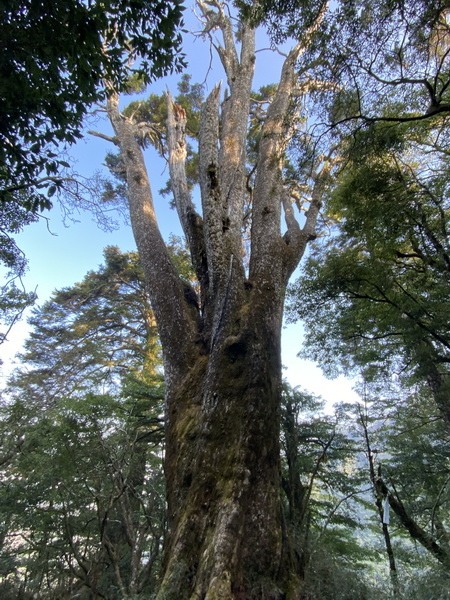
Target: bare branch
point(216, 19)
point(209, 183)
point(191, 221)
point(108, 138)
point(176, 141)
point(268, 190)
point(173, 311)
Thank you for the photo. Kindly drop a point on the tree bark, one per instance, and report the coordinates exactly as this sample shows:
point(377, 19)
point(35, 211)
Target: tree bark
point(221, 347)
point(222, 465)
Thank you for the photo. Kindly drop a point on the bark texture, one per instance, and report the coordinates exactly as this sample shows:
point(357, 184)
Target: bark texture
point(221, 345)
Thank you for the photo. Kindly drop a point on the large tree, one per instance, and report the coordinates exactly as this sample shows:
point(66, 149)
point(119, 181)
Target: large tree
point(221, 341)
point(82, 500)
point(221, 338)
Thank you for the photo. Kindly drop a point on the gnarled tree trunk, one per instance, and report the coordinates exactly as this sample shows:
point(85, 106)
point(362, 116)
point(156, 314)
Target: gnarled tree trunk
point(222, 346)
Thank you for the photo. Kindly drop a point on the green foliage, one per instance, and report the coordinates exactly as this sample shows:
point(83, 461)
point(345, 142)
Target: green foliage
point(331, 577)
point(54, 58)
point(153, 110)
point(13, 300)
point(12, 220)
point(324, 492)
point(104, 321)
point(374, 295)
point(82, 492)
point(285, 19)
point(83, 497)
point(428, 584)
point(376, 61)
point(406, 442)
point(417, 460)
point(331, 517)
point(395, 54)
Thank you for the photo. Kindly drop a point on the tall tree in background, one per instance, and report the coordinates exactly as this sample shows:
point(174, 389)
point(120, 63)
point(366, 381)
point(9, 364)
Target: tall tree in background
point(89, 337)
point(221, 346)
point(82, 492)
point(375, 294)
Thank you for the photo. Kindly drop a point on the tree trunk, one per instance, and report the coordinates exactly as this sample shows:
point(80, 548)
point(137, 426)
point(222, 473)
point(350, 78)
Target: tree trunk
point(439, 551)
point(222, 466)
point(221, 346)
point(393, 573)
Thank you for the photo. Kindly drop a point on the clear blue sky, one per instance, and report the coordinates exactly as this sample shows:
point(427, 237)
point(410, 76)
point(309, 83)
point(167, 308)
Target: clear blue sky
point(60, 255)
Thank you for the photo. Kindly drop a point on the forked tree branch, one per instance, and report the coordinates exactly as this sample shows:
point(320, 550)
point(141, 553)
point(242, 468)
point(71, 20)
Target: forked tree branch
point(174, 311)
point(191, 221)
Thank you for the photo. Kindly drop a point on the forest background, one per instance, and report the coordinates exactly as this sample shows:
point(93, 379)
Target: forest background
point(343, 474)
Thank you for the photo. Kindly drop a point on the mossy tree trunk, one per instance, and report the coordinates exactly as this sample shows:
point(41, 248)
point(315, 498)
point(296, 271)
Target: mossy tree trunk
point(223, 465)
point(221, 343)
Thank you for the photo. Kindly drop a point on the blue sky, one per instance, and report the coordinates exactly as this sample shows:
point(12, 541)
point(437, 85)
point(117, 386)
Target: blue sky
point(60, 254)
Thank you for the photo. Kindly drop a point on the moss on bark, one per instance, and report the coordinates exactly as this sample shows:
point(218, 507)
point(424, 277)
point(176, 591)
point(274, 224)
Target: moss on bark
point(223, 468)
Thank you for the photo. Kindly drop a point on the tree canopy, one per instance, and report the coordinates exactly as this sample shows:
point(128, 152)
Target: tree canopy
point(54, 58)
point(374, 293)
point(389, 60)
